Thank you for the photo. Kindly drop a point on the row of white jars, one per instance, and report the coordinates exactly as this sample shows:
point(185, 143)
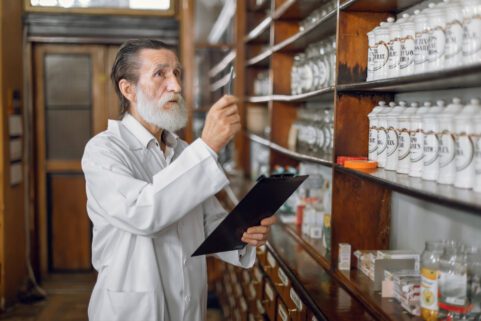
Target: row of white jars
point(438, 143)
point(444, 35)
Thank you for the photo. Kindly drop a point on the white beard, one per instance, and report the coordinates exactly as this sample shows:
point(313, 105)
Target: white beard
point(153, 112)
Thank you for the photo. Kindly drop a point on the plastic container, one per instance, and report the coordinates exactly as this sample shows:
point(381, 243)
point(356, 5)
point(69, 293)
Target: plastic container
point(429, 279)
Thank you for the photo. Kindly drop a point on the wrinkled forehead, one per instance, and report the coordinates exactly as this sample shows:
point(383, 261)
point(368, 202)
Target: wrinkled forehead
point(152, 58)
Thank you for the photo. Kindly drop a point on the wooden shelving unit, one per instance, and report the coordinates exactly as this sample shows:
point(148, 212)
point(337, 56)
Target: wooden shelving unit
point(361, 201)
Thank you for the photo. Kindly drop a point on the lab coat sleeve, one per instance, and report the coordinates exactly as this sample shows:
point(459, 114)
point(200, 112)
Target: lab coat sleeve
point(142, 208)
point(214, 213)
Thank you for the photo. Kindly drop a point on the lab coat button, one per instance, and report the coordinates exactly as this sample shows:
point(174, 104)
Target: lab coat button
point(187, 299)
point(185, 261)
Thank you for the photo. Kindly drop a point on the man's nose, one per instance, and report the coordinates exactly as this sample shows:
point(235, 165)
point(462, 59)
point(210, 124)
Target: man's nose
point(174, 85)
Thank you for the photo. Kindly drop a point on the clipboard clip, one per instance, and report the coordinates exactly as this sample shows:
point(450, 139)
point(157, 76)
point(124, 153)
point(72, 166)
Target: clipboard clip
point(284, 175)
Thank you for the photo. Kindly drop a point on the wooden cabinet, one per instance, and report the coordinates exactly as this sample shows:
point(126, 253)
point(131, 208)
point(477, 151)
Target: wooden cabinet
point(297, 269)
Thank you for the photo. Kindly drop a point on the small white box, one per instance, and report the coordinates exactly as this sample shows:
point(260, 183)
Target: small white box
point(344, 257)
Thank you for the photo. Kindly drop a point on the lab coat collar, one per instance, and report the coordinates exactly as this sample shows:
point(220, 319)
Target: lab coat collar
point(144, 136)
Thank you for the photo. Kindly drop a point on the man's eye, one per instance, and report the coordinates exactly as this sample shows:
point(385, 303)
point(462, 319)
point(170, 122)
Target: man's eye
point(159, 73)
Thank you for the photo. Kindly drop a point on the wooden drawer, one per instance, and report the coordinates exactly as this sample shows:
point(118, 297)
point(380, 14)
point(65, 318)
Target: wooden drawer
point(271, 266)
point(258, 279)
point(282, 313)
point(261, 254)
point(270, 300)
point(296, 308)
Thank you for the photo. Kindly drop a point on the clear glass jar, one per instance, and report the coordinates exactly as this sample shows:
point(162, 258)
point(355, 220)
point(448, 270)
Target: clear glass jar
point(332, 62)
point(312, 56)
point(474, 283)
point(429, 279)
point(323, 63)
point(295, 75)
point(452, 282)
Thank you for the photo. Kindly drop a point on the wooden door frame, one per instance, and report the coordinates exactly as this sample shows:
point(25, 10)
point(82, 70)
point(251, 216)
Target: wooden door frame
point(99, 118)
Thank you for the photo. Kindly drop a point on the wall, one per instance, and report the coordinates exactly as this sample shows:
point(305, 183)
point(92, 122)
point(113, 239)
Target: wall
point(12, 227)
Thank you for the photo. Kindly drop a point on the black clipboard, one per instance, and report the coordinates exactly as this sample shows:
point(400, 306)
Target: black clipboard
point(262, 201)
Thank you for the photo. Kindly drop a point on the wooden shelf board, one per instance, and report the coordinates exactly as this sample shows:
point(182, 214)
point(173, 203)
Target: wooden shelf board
point(260, 60)
point(224, 63)
point(296, 9)
point(393, 6)
point(314, 247)
point(259, 29)
point(329, 91)
point(324, 27)
point(325, 160)
point(321, 292)
point(361, 287)
point(426, 190)
point(461, 77)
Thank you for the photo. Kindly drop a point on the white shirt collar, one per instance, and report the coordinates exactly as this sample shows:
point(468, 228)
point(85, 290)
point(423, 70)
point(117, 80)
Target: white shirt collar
point(144, 136)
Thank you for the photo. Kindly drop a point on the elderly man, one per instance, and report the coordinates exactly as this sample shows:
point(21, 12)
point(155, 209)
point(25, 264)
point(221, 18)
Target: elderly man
point(151, 196)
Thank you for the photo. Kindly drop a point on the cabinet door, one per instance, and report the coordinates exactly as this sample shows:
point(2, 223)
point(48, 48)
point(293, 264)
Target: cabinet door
point(70, 91)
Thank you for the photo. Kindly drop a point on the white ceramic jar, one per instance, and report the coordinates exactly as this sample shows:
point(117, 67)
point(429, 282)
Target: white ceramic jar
point(392, 136)
point(406, 61)
point(394, 46)
point(477, 156)
point(421, 50)
point(464, 159)
point(404, 138)
point(381, 50)
point(431, 145)
point(416, 149)
point(382, 135)
point(447, 166)
point(437, 37)
point(472, 31)
point(370, 55)
point(373, 124)
point(454, 33)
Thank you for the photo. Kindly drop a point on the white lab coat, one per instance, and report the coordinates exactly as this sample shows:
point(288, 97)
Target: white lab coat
point(150, 211)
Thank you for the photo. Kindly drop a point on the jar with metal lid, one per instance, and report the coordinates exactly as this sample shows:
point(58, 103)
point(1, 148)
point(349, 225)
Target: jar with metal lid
point(437, 37)
point(307, 75)
point(382, 135)
point(406, 60)
point(454, 33)
point(464, 129)
point(323, 64)
point(447, 166)
point(295, 77)
point(312, 56)
point(392, 136)
point(416, 149)
point(431, 145)
point(373, 123)
point(421, 48)
point(472, 31)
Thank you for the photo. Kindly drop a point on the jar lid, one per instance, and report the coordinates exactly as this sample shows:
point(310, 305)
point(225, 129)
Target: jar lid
point(360, 164)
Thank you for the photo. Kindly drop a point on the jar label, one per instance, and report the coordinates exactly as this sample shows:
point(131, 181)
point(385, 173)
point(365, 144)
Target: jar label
point(370, 59)
point(472, 35)
point(416, 147)
point(421, 50)
point(404, 144)
point(446, 149)
point(452, 290)
point(321, 140)
point(372, 139)
point(431, 147)
point(392, 141)
point(381, 55)
point(437, 43)
point(260, 308)
point(407, 52)
point(477, 157)
point(454, 38)
point(323, 74)
point(381, 140)
point(394, 47)
point(464, 152)
point(429, 289)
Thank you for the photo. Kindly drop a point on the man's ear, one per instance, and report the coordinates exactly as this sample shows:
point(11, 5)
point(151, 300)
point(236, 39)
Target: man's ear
point(128, 90)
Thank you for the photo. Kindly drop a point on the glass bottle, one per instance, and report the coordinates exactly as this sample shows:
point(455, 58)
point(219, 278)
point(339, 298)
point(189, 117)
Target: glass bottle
point(452, 283)
point(295, 75)
point(429, 279)
point(474, 283)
